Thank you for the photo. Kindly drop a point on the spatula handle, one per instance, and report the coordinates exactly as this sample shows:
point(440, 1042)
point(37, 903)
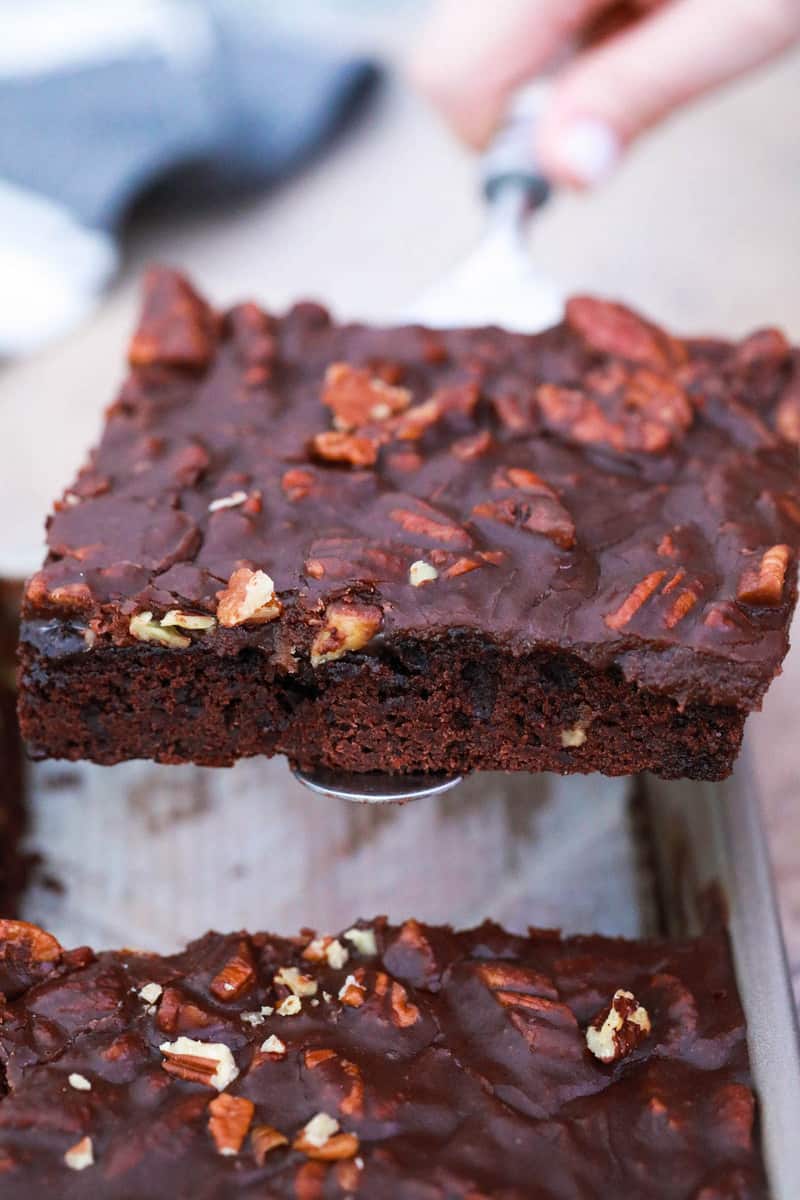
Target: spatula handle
point(510, 159)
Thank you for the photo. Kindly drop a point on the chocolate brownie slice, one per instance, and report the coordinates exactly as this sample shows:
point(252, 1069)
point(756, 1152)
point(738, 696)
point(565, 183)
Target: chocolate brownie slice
point(402, 550)
point(13, 864)
point(398, 1062)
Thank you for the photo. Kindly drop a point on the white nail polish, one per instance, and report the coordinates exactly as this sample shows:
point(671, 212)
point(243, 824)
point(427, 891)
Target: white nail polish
point(589, 150)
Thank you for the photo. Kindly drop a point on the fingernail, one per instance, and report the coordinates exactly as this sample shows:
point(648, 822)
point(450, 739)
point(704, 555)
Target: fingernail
point(588, 150)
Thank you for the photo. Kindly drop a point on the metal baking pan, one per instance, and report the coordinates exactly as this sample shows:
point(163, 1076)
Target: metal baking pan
point(150, 856)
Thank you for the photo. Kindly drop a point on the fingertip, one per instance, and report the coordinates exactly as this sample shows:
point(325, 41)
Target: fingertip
point(580, 151)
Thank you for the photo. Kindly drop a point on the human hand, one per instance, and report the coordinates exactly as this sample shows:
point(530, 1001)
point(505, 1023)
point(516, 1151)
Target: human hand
point(617, 69)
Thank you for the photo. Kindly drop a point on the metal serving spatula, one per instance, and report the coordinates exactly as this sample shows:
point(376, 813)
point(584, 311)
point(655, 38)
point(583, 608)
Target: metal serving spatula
point(497, 284)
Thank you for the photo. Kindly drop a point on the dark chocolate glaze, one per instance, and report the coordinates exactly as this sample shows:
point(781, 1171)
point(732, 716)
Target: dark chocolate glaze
point(673, 463)
point(462, 1069)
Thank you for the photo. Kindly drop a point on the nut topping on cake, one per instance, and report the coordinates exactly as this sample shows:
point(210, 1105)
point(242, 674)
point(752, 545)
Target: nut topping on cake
point(618, 1028)
point(248, 599)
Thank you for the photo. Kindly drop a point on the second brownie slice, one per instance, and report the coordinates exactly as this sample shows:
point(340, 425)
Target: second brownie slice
point(406, 550)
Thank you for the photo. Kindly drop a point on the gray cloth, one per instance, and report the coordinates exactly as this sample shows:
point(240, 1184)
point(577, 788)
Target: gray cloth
point(199, 106)
point(94, 136)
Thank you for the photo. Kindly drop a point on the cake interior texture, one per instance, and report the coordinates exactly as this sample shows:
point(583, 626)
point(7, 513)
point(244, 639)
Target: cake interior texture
point(395, 1062)
point(402, 550)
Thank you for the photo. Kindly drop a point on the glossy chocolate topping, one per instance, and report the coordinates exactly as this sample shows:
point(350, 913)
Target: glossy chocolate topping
point(601, 487)
point(394, 1063)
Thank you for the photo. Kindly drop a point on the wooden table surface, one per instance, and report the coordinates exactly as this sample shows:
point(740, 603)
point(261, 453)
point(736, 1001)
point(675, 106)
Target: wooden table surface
point(700, 228)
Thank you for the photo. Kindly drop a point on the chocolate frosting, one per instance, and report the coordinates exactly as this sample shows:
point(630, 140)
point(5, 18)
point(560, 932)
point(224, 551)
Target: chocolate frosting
point(455, 1064)
point(601, 487)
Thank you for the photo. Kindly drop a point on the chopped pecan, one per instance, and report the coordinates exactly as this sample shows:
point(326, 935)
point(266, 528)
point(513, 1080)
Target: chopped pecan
point(81, 1155)
point(362, 940)
point(68, 597)
point(358, 397)
point(421, 572)
point(210, 1063)
point(787, 415)
point(176, 328)
point(404, 1013)
point(508, 978)
point(273, 1045)
point(290, 1007)
point(618, 1028)
point(184, 620)
point(264, 1139)
point(297, 483)
point(229, 1122)
point(347, 627)
point(314, 1058)
point(249, 598)
point(574, 738)
point(352, 993)
point(326, 949)
point(683, 604)
point(641, 592)
point(643, 411)
point(146, 628)
point(150, 992)
point(40, 946)
point(543, 514)
point(764, 585)
point(426, 521)
point(357, 449)
point(458, 399)
point(321, 1140)
point(461, 566)
point(613, 329)
point(237, 975)
point(297, 983)
point(472, 446)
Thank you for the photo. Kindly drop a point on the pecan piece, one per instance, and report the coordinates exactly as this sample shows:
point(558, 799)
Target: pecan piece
point(363, 941)
point(544, 514)
point(787, 415)
point(210, 1063)
point(81, 1155)
point(358, 397)
point(614, 329)
point(249, 598)
point(472, 446)
point(176, 328)
point(264, 1139)
point(682, 605)
point(40, 946)
point(641, 592)
point(229, 1122)
point(146, 628)
point(357, 449)
point(352, 992)
point(347, 627)
point(618, 1028)
point(298, 483)
point(237, 975)
point(426, 521)
point(297, 983)
point(764, 585)
point(321, 1140)
point(421, 572)
point(404, 1013)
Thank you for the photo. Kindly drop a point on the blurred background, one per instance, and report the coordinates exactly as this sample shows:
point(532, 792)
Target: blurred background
point(700, 228)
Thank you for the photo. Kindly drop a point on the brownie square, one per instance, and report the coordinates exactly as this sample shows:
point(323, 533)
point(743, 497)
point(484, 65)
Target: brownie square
point(13, 864)
point(405, 550)
point(391, 1062)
